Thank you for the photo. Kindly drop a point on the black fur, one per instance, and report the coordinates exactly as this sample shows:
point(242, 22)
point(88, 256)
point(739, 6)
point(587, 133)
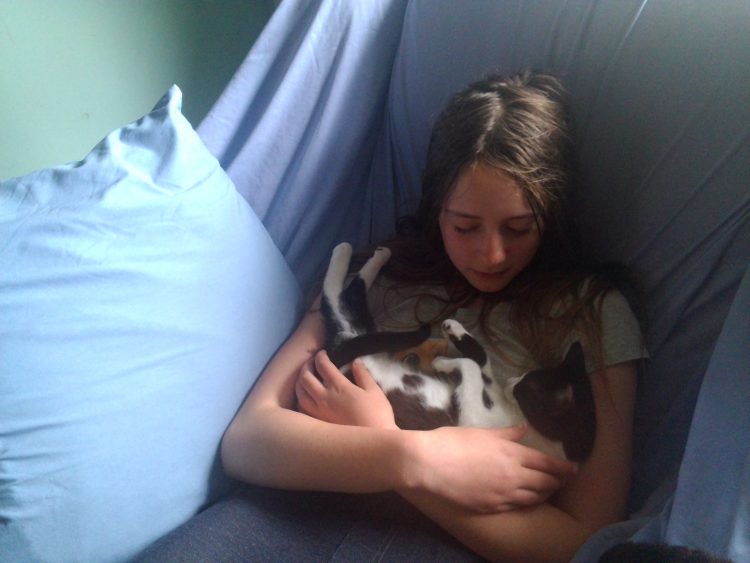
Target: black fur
point(573, 421)
point(346, 351)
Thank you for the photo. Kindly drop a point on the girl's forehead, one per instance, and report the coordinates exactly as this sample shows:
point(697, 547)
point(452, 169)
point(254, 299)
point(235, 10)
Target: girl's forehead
point(482, 189)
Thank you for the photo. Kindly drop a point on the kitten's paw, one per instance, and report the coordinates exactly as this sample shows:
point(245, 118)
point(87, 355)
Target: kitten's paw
point(383, 253)
point(370, 270)
point(343, 249)
point(453, 330)
point(466, 344)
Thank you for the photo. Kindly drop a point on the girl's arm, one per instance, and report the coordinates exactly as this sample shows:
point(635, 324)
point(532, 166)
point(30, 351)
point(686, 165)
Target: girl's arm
point(595, 497)
point(269, 443)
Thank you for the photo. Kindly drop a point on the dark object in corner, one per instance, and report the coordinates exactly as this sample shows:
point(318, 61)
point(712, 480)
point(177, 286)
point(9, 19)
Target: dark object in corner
point(657, 553)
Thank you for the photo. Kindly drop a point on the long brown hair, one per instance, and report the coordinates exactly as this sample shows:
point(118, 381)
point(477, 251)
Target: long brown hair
point(519, 125)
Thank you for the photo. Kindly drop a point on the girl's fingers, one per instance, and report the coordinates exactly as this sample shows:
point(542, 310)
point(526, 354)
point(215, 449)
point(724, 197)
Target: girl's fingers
point(304, 399)
point(362, 376)
point(541, 484)
point(534, 459)
point(525, 497)
point(513, 433)
point(547, 473)
point(556, 467)
point(307, 382)
point(328, 372)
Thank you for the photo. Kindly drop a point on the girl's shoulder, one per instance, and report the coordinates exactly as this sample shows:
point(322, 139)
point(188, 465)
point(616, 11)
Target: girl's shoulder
point(622, 337)
point(591, 307)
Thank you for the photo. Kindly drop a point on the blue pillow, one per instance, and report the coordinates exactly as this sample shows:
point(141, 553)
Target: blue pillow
point(140, 297)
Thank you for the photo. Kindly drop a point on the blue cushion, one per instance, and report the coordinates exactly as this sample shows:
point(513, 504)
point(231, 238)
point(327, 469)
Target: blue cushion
point(140, 297)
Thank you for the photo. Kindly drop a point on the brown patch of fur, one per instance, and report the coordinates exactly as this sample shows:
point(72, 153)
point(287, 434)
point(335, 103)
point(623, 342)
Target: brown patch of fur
point(411, 414)
point(426, 352)
point(412, 381)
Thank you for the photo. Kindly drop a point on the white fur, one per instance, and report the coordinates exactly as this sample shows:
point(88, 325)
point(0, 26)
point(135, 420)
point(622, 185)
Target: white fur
point(372, 267)
point(333, 285)
point(389, 375)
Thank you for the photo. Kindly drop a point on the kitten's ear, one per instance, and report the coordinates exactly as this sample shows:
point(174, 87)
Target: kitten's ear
point(574, 358)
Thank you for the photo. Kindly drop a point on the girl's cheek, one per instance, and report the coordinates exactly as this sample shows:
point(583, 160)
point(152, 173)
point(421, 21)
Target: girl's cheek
point(456, 249)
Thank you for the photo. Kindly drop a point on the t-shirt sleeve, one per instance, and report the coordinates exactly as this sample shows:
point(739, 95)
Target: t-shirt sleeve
point(621, 332)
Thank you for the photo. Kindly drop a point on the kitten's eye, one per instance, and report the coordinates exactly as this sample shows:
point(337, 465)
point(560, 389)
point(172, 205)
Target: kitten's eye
point(411, 361)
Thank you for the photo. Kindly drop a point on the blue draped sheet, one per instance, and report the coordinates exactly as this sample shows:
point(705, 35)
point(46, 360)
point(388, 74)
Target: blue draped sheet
point(324, 130)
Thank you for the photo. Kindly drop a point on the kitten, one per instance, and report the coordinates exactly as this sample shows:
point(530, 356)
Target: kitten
point(440, 382)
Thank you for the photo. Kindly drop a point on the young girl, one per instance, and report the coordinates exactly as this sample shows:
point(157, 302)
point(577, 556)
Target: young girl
point(491, 246)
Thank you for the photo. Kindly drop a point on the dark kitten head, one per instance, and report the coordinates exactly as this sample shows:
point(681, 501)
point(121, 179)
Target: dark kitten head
point(550, 390)
point(558, 403)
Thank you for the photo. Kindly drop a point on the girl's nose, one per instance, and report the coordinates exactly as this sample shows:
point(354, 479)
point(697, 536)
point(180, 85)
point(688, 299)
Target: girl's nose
point(494, 250)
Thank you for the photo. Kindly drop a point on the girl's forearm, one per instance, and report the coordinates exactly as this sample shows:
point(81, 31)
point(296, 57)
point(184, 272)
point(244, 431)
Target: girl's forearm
point(285, 449)
point(539, 533)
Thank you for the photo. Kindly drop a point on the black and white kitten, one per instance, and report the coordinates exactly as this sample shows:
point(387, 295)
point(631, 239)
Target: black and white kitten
point(441, 382)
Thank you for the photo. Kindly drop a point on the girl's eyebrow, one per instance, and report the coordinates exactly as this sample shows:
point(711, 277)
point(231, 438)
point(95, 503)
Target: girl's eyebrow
point(464, 215)
point(461, 214)
point(525, 216)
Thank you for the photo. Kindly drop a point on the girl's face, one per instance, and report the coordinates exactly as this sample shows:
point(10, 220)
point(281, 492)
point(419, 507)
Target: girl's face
point(489, 231)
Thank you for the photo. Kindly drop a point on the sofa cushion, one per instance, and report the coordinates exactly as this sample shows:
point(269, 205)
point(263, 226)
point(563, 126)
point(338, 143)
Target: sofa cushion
point(140, 296)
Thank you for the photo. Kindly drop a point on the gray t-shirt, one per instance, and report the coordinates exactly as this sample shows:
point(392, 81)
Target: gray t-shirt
point(406, 308)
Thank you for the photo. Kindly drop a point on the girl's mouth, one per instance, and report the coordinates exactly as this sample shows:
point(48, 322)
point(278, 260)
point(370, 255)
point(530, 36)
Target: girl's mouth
point(482, 274)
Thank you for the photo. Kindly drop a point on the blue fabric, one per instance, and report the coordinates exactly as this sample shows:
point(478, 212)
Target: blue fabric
point(140, 296)
point(255, 524)
point(325, 128)
point(714, 513)
point(297, 126)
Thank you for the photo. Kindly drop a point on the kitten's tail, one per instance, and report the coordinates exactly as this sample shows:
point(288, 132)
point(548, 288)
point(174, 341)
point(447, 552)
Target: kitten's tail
point(377, 342)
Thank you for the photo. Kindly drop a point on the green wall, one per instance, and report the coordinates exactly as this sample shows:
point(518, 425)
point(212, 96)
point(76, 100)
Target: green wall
point(72, 70)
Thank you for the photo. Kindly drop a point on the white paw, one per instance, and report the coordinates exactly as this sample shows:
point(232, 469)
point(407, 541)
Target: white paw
point(343, 249)
point(380, 257)
point(383, 251)
point(453, 329)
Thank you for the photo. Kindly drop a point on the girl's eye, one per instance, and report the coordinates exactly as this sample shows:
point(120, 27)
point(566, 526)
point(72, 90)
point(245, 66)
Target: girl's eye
point(464, 230)
point(519, 231)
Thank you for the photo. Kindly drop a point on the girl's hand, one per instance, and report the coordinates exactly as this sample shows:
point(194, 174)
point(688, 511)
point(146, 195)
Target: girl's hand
point(333, 398)
point(487, 470)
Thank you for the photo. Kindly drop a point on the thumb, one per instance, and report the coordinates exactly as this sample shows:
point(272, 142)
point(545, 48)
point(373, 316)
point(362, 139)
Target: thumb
point(514, 433)
point(362, 375)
